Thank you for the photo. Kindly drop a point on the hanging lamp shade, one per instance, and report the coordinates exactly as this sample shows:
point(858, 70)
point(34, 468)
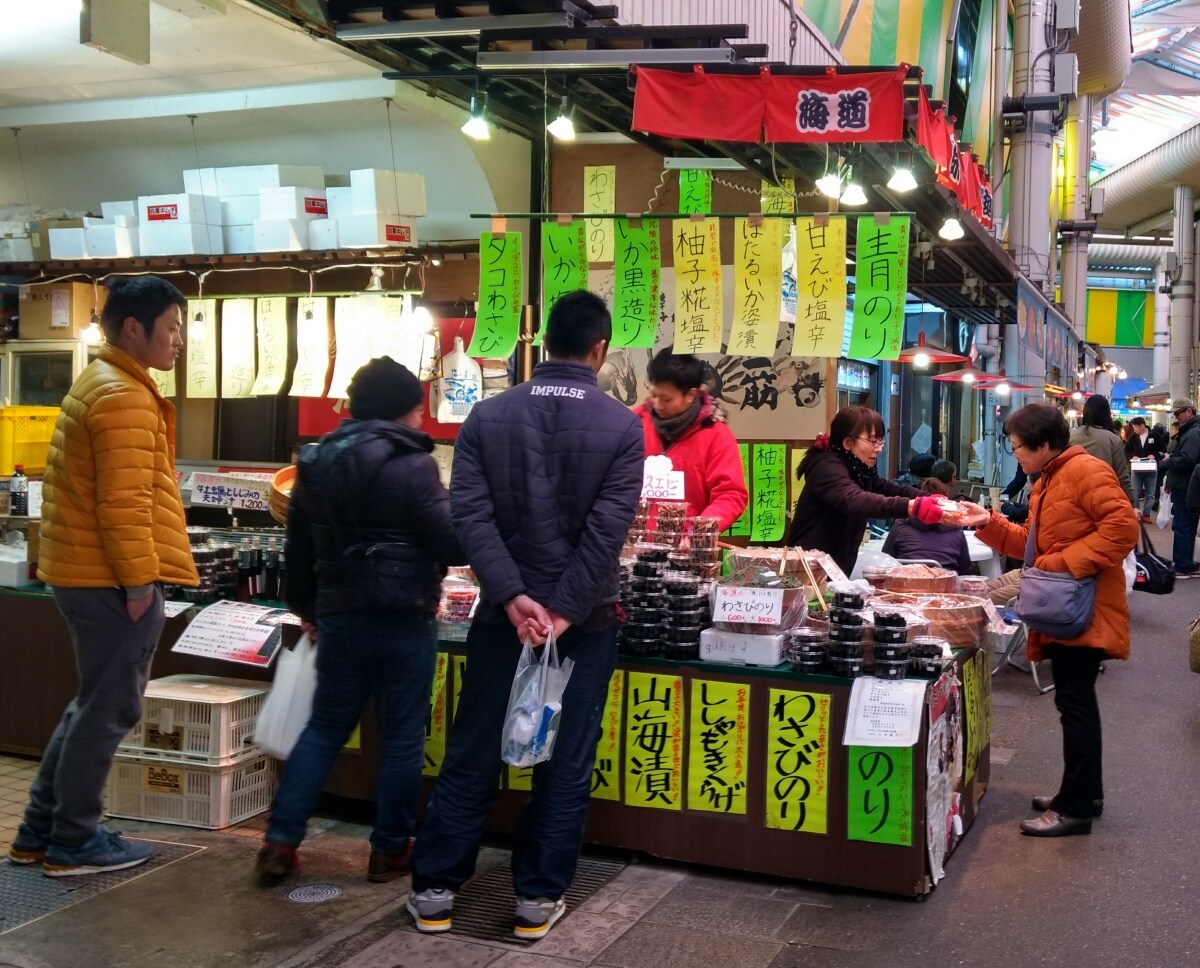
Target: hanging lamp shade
point(999, 383)
point(969, 375)
point(922, 356)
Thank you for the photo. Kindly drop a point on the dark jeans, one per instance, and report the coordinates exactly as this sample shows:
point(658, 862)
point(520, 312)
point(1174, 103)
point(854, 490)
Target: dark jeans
point(112, 660)
point(390, 655)
point(1075, 669)
point(550, 829)
point(1183, 550)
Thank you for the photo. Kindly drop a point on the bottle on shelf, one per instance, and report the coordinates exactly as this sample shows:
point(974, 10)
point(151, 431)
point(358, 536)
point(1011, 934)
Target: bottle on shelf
point(18, 492)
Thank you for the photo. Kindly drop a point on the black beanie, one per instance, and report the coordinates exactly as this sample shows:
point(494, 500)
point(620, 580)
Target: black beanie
point(383, 390)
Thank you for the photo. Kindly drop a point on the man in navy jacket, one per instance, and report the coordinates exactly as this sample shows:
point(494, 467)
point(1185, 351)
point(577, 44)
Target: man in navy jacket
point(546, 483)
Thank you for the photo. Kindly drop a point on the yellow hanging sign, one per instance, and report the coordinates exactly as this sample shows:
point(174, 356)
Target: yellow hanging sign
point(758, 278)
point(697, 249)
point(165, 381)
point(201, 329)
point(312, 347)
point(606, 774)
point(351, 328)
point(437, 723)
point(460, 665)
point(718, 746)
point(237, 348)
point(797, 773)
point(654, 741)
point(600, 195)
point(272, 331)
point(820, 286)
point(778, 198)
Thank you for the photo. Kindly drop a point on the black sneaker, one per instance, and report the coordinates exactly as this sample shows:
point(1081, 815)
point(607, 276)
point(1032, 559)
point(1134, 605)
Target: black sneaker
point(1191, 571)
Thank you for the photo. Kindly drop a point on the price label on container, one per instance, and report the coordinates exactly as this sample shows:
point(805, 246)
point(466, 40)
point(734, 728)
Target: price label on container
point(663, 487)
point(756, 606)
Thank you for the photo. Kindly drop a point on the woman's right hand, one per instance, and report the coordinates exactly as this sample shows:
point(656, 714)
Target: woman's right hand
point(972, 515)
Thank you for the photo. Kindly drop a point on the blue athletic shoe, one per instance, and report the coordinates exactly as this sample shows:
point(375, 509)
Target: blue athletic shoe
point(29, 846)
point(103, 851)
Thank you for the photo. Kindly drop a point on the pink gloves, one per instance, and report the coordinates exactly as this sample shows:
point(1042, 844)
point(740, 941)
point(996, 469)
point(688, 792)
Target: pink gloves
point(926, 510)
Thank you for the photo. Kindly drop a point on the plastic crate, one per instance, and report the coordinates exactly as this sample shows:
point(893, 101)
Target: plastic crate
point(204, 720)
point(25, 434)
point(192, 796)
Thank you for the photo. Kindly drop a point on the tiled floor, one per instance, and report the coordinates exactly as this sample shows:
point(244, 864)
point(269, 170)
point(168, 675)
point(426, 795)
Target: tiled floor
point(15, 777)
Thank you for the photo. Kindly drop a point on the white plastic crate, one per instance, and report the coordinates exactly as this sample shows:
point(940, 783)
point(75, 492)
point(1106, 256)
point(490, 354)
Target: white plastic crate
point(204, 720)
point(193, 796)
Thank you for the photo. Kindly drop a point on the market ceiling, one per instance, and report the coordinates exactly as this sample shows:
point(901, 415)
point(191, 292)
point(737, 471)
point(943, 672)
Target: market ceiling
point(526, 54)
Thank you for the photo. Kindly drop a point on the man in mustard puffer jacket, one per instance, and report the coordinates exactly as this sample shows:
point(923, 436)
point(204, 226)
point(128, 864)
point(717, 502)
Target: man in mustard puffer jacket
point(112, 530)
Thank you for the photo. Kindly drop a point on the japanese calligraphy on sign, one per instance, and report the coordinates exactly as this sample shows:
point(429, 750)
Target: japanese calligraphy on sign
point(436, 723)
point(697, 250)
point(797, 774)
point(769, 500)
point(227, 491)
point(564, 264)
point(165, 381)
point(237, 348)
point(498, 312)
point(271, 329)
point(758, 279)
point(600, 195)
point(879, 794)
point(201, 328)
point(880, 283)
point(234, 632)
point(654, 741)
point(977, 698)
point(744, 604)
point(459, 664)
point(841, 111)
point(636, 283)
point(778, 198)
point(606, 773)
point(718, 746)
point(795, 456)
point(820, 286)
point(519, 777)
point(883, 713)
point(695, 191)
point(353, 344)
point(741, 526)
point(312, 347)
point(384, 317)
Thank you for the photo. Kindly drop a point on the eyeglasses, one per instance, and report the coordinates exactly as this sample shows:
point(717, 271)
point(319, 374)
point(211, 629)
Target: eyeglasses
point(876, 442)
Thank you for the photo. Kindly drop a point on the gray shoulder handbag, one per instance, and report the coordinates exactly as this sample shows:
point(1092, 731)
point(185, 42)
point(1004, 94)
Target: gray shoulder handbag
point(1052, 602)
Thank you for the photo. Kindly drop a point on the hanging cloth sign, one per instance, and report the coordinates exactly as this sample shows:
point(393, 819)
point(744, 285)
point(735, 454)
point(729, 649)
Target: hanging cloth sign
point(237, 348)
point(498, 312)
point(698, 106)
point(600, 195)
point(697, 285)
point(564, 264)
point(968, 183)
point(835, 107)
point(350, 327)
point(460, 387)
point(758, 280)
point(695, 191)
point(312, 347)
point(636, 284)
point(820, 286)
point(986, 200)
point(201, 349)
point(165, 381)
point(271, 329)
point(880, 283)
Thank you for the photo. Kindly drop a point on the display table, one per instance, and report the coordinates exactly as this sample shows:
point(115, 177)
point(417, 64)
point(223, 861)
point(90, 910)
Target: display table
point(711, 764)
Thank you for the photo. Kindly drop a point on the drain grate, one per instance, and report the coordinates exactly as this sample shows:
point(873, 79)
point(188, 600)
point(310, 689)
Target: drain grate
point(27, 895)
point(483, 909)
point(313, 894)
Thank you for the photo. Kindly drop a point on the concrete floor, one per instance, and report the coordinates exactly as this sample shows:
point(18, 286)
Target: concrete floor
point(1125, 896)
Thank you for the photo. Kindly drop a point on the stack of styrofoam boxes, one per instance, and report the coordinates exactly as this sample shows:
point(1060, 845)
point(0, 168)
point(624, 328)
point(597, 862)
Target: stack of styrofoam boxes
point(115, 235)
point(245, 226)
point(186, 223)
point(384, 206)
point(286, 212)
point(15, 243)
point(191, 759)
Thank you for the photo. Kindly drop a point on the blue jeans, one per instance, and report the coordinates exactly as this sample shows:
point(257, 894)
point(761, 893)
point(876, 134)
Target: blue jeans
point(1144, 489)
point(1183, 550)
point(550, 829)
point(390, 655)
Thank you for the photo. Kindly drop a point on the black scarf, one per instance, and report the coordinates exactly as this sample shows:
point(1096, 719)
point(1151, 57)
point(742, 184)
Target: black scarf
point(670, 429)
point(862, 474)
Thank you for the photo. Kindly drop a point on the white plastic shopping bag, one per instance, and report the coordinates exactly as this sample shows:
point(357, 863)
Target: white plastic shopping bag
point(289, 704)
point(1129, 566)
point(1164, 513)
point(535, 705)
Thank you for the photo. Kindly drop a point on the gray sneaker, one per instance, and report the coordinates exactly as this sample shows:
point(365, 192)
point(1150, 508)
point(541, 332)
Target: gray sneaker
point(432, 910)
point(104, 851)
point(536, 916)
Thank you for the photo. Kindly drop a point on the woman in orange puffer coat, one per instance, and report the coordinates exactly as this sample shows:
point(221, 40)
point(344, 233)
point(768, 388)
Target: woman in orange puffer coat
point(1085, 526)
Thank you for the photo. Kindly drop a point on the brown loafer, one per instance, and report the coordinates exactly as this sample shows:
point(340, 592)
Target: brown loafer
point(1055, 824)
point(1041, 804)
point(383, 867)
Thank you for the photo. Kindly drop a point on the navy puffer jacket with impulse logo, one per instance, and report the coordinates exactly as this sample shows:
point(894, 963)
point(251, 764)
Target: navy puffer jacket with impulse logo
point(546, 483)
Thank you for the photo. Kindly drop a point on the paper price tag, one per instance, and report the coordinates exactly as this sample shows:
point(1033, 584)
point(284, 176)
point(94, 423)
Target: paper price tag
point(758, 606)
point(663, 487)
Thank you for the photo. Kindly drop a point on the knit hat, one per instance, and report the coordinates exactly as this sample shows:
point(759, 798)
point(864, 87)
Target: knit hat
point(383, 390)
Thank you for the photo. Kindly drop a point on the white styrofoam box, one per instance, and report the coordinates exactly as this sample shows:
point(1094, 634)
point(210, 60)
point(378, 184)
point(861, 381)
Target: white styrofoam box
point(18, 574)
point(68, 244)
point(382, 190)
point(740, 648)
point(180, 238)
point(17, 230)
point(376, 230)
point(110, 210)
point(200, 181)
point(293, 202)
point(16, 250)
point(280, 235)
point(112, 241)
point(90, 220)
point(248, 179)
point(239, 209)
point(207, 720)
point(183, 207)
point(322, 234)
point(340, 201)
point(129, 221)
point(189, 794)
point(238, 238)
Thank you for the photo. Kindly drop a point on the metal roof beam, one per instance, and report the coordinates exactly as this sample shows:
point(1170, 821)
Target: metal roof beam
point(568, 60)
point(455, 27)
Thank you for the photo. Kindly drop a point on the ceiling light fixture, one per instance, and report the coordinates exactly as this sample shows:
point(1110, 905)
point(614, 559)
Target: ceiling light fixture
point(92, 335)
point(830, 185)
point(922, 356)
point(854, 195)
point(376, 283)
point(562, 128)
point(951, 229)
point(902, 180)
point(199, 328)
point(476, 125)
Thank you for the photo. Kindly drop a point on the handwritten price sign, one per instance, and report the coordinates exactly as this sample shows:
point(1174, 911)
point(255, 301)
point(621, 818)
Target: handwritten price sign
point(663, 487)
point(758, 606)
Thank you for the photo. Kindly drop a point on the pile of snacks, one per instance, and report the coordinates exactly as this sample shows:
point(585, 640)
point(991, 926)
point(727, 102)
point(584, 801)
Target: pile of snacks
point(644, 599)
point(846, 635)
point(891, 645)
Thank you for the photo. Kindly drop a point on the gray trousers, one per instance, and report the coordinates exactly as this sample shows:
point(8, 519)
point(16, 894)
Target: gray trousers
point(112, 660)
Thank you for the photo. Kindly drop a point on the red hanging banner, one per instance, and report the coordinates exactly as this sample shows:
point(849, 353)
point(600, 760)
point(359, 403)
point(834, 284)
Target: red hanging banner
point(968, 183)
point(836, 107)
point(698, 106)
point(985, 200)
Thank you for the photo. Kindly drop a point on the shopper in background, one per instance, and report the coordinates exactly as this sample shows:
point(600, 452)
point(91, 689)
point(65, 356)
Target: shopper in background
point(112, 530)
point(368, 540)
point(1097, 435)
point(1178, 467)
point(919, 468)
point(842, 489)
point(944, 544)
point(1082, 525)
point(1138, 446)
point(679, 420)
point(1158, 445)
point(546, 483)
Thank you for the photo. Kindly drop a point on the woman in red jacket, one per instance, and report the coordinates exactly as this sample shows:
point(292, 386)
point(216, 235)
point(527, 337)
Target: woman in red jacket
point(680, 420)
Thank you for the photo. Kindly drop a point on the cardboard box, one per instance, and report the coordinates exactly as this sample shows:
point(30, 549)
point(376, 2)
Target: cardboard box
point(322, 234)
point(39, 234)
point(376, 231)
point(382, 190)
point(110, 210)
point(293, 203)
point(17, 230)
point(180, 238)
point(16, 250)
point(340, 202)
point(280, 235)
point(68, 244)
point(200, 181)
point(240, 210)
point(57, 310)
point(112, 241)
point(184, 207)
point(238, 238)
point(248, 179)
